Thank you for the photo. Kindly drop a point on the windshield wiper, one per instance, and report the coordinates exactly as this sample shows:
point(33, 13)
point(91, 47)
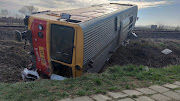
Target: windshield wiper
point(65, 54)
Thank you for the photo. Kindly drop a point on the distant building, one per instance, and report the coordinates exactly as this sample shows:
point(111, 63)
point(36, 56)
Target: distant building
point(153, 27)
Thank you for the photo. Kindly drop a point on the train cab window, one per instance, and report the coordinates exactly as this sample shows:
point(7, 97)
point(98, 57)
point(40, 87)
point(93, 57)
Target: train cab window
point(62, 42)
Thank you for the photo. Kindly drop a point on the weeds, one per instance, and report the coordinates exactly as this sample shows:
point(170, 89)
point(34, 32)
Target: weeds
point(81, 92)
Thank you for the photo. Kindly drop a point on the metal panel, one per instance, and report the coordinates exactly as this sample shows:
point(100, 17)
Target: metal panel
point(101, 31)
point(98, 37)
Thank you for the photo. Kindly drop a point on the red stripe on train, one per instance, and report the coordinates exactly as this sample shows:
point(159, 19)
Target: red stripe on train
point(39, 45)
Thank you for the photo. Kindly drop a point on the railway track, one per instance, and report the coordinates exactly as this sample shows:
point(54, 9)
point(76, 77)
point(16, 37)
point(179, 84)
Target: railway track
point(157, 31)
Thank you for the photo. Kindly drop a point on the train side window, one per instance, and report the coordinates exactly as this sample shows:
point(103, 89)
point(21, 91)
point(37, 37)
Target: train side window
point(130, 26)
point(116, 24)
point(131, 19)
point(120, 25)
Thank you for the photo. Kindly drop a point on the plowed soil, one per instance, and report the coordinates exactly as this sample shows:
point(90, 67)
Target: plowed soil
point(13, 56)
point(147, 52)
point(144, 50)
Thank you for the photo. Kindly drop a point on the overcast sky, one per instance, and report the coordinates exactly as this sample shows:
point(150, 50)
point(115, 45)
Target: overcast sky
point(150, 11)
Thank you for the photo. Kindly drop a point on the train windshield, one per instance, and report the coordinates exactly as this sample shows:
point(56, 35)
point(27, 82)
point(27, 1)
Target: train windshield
point(62, 42)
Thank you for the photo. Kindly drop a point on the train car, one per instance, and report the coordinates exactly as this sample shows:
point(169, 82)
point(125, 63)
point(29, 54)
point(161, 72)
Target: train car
point(71, 42)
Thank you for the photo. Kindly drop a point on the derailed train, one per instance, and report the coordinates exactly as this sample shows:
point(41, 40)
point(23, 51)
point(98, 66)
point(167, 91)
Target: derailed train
point(70, 42)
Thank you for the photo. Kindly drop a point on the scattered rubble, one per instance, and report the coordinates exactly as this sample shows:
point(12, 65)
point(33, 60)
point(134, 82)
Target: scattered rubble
point(166, 51)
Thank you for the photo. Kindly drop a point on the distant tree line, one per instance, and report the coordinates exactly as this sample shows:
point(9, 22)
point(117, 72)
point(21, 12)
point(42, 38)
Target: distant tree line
point(159, 27)
point(164, 27)
point(11, 21)
point(7, 19)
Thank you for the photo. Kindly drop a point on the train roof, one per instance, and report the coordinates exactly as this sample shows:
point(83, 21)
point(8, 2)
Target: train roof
point(84, 14)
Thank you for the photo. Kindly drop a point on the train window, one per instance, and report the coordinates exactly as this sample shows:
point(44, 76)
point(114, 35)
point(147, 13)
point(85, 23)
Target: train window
point(116, 24)
point(131, 19)
point(61, 70)
point(62, 42)
point(130, 26)
point(120, 25)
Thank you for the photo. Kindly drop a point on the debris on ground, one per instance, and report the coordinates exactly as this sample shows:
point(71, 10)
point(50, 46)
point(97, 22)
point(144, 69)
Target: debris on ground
point(166, 51)
point(57, 77)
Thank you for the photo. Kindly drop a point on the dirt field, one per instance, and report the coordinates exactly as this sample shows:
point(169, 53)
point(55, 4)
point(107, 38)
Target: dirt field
point(158, 34)
point(145, 50)
point(13, 56)
point(7, 33)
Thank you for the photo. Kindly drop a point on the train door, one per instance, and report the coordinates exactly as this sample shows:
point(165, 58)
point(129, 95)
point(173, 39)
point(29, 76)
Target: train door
point(125, 28)
point(119, 31)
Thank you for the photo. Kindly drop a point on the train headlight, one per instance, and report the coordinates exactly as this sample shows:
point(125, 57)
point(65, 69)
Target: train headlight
point(40, 27)
point(40, 35)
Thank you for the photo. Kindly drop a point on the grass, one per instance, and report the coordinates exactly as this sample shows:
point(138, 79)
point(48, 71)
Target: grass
point(113, 79)
point(160, 43)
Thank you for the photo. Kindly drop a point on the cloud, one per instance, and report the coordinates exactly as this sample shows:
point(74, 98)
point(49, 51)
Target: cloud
point(144, 4)
point(56, 5)
point(66, 4)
